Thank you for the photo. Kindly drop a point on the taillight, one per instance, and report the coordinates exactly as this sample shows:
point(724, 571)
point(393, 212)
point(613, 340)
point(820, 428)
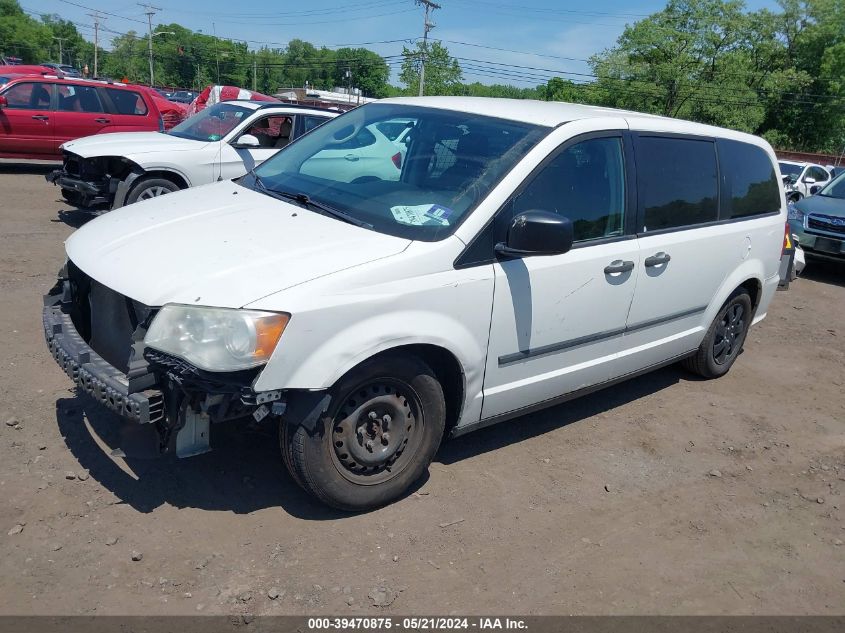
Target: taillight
point(397, 160)
point(787, 240)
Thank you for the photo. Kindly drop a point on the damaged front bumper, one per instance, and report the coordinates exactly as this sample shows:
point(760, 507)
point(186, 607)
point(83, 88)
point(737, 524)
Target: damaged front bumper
point(91, 373)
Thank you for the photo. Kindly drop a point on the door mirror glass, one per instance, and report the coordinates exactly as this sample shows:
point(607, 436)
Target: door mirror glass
point(247, 140)
point(814, 189)
point(537, 233)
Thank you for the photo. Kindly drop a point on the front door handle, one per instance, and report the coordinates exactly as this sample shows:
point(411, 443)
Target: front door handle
point(102, 120)
point(618, 266)
point(40, 117)
point(657, 260)
point(351, 157)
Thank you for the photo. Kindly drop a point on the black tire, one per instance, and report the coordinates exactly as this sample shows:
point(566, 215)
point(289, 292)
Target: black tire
point(147, 188)
point(73, 197)
point(724, 339)
point(360, 457)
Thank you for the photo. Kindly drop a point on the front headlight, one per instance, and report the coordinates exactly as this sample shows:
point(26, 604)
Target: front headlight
point(216, 339)
point(794, 213)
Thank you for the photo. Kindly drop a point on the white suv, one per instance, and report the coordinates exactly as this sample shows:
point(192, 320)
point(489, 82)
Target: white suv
point(221, 142)
point(527, 253)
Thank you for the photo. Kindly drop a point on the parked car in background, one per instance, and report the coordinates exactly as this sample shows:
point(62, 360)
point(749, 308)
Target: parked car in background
point(183, 96)
point(835, 170)
point(7, 73)
point(804, 179)
point(369, 153)
point(819, 221)
point(8, 60)
point(172, 113)
point(222, 142)
point(66, 69)
point(39, 113)
point(522, 258)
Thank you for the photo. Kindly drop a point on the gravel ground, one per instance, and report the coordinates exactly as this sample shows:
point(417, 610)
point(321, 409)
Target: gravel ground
point(665, 494)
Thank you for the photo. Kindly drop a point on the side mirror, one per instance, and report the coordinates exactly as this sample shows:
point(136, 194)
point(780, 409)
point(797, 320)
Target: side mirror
point(815, 189)
point(247, 140)
point(3, 102)
point(537, 233)
point(809, 180)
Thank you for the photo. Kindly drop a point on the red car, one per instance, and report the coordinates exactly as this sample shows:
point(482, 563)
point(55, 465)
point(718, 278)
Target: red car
point(38, 113)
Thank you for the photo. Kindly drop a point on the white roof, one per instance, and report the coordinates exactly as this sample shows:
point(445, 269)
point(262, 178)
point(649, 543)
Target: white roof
point(553, 113)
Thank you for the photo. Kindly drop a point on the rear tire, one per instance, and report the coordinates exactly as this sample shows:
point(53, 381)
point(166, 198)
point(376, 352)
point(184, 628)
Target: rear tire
point(723, 342)
point(148, 188)
point(381, 431)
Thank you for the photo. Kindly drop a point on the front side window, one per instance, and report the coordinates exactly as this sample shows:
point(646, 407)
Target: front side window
point(127, 101)
point(79, 99)
point(585, 183)
point(818, 174)
point(272, 132)
point(419, 189)
point(749, 178)
point(28, 96)
point(212, 123)
point(676, 182)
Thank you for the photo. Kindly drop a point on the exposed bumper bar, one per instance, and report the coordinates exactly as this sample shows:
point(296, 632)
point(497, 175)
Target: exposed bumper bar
point(91, 373)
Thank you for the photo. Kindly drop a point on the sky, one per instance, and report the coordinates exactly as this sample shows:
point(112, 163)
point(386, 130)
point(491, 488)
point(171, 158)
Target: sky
point(496, 41)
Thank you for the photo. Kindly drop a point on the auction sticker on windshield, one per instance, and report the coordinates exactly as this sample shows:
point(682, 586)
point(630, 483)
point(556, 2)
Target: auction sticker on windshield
point(421, 214)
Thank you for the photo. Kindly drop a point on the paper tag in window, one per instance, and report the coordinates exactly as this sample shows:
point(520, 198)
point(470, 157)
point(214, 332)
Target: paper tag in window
point(421, 215)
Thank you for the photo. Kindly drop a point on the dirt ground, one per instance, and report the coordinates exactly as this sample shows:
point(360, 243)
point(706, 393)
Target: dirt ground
point(663, 495)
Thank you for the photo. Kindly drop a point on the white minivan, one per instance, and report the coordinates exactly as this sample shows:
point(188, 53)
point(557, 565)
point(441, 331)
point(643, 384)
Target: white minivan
point(526, 253)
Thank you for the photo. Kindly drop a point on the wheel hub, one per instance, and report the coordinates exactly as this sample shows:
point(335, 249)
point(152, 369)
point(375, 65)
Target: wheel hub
point(372, 429)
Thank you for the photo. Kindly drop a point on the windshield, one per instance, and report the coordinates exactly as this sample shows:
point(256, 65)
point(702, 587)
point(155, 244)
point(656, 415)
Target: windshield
point(420, 185)
point(213, 123)
point(790, 169)
point(835, 188)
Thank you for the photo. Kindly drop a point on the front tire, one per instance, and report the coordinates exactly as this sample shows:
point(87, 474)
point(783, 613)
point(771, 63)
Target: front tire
point(149, 188)
point(723, 342)
point(381, 431)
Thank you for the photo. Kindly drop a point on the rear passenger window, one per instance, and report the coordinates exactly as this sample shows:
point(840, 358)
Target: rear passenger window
point(79, 99)
point(676, 182)
point(749, 180)
point(127, 101)
point(313, 121)
point(585, 183)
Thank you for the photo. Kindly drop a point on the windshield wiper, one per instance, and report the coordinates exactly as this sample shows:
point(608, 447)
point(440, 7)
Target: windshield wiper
point(309, 202)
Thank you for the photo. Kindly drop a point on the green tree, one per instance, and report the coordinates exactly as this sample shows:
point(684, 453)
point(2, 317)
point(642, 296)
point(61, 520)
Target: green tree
point(442, 72)
point(23, 36)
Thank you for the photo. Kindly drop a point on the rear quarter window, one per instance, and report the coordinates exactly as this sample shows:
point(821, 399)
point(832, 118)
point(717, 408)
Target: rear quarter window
point(676, 182)
point(127, 101)
point(749, 180)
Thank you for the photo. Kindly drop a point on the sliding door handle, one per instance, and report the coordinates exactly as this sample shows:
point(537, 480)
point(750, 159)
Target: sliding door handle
point(657, 260)
point(618, 266)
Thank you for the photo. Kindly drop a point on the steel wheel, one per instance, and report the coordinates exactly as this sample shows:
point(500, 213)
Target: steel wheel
point(376, 431)
point(728, 331)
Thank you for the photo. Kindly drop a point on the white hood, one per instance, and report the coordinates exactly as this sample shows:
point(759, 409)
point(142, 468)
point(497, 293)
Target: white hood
point(218, 245)
point(130, 143)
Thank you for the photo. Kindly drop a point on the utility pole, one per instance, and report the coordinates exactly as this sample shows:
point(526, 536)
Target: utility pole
point(61, 56)
point(427, 26)
point(348, 84)
point(150, 11)
point(216, 54)
point(97, 17)
point(254, 73)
